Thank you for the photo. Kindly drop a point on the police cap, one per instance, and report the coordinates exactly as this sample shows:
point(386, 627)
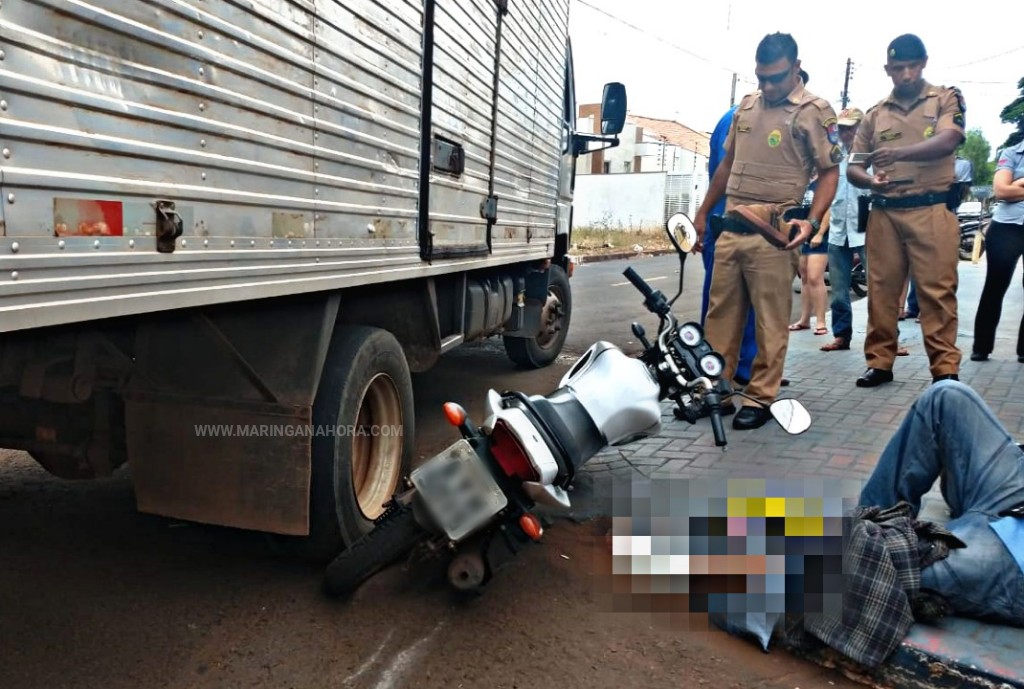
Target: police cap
point(906, 48)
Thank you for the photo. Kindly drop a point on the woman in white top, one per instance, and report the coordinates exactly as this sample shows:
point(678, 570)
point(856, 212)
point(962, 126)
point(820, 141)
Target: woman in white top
point(1005, 245)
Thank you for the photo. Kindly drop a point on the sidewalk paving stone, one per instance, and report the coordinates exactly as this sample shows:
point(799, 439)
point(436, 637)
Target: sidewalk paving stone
point(850, 428)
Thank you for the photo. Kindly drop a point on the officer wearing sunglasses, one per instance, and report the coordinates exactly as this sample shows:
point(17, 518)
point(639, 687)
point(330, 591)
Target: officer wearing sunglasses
point(781, 136)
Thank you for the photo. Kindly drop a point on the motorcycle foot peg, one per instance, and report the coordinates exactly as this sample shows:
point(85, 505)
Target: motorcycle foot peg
point(467, 571)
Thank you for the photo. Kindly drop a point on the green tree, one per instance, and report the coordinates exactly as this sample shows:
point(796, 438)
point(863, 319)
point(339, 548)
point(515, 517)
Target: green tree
point(977, 149)
point(1014, 114)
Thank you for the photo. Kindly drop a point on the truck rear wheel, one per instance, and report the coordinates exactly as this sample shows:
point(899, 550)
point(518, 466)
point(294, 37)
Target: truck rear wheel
point(543, 349)
point(365, 395)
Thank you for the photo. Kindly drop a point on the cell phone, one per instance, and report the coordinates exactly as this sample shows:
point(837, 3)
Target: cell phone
point(860, 158)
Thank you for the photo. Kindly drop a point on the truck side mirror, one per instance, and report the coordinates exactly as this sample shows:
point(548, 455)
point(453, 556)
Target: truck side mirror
point(613, 108)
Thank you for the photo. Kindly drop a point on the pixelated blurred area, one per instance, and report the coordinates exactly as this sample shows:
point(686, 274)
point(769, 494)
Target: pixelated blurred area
point(739, 554)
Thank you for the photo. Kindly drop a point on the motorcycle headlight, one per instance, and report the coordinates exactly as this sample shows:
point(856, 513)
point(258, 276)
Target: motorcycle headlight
point(712, 365)
point(691, 334)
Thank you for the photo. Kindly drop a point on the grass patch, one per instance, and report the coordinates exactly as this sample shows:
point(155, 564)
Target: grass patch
point(598, 239)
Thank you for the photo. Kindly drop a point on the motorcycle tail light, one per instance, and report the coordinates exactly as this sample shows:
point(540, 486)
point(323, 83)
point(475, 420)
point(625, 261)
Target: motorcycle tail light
point(510, 454)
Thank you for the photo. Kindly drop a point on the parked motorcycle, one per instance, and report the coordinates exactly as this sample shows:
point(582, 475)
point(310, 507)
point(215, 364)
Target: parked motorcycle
point(859, 276)
point(969, 231)
point(474, 502)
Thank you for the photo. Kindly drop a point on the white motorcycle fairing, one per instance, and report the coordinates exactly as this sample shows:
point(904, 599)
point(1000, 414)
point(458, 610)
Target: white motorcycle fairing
point(618, 392)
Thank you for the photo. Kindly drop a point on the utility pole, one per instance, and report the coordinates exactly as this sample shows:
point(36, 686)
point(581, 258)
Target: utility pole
point(732, 98)
point(846, 83)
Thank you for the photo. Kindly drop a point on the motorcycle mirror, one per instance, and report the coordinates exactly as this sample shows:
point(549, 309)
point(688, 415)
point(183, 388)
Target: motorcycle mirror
point(681, 233)
point(683, 236)
point(791, 415)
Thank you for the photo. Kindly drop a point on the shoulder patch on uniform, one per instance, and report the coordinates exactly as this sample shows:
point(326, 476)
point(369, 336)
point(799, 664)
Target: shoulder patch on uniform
point(958, 120)
point(836, 154)
point(749, 100)
point(831, 126)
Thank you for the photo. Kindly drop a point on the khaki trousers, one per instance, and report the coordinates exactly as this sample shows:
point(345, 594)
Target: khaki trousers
point(925, 242)
point(751, 273)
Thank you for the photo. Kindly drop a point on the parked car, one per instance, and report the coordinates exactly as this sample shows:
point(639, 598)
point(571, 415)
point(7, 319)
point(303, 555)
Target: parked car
point(969, 210)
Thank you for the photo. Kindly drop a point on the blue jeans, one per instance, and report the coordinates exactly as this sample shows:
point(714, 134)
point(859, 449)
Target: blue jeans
point(912, 308)
point(840, 265)
point(748, 348)
point(950, 432)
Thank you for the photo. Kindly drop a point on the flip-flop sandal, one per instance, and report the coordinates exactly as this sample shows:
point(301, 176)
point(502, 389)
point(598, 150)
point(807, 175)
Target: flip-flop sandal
point(902, 351)
point(835, 346)
point(821, 331)
point(797, 326)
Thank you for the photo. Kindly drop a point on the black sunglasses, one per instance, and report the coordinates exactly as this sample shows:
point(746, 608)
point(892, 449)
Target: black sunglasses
point(774, 78)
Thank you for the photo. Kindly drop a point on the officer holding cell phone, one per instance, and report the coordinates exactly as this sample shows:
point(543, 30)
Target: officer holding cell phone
point(911, 137)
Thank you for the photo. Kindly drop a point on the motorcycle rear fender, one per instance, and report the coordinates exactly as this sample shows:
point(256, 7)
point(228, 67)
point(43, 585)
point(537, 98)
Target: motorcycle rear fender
point(549, 495)
point(523, 429)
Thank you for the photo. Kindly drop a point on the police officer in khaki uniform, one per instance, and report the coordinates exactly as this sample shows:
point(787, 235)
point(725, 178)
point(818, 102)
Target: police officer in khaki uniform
point(780, 136)
point(911, 136)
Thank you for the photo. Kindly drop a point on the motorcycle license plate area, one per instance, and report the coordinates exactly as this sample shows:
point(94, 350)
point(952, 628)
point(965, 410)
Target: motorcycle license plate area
point(458, 490)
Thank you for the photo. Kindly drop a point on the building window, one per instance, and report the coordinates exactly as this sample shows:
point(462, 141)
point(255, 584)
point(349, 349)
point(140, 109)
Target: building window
point(627, 166)
point(607, 167)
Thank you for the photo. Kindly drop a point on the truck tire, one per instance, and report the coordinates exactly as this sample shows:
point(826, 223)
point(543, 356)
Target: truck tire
point(365, 394)
point(393, 537)
point(543, 349)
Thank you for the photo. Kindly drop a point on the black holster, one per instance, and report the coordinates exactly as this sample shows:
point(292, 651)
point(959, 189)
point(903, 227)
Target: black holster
point(863, 209)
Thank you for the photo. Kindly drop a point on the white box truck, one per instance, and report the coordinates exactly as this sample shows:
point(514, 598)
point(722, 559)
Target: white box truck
point(231, 228)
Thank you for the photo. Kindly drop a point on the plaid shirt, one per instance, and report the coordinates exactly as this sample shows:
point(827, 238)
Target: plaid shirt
point(883, 557)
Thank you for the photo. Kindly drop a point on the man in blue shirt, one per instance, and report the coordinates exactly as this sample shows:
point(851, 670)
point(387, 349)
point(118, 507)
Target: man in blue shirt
point(748, 349)
point(845, 237)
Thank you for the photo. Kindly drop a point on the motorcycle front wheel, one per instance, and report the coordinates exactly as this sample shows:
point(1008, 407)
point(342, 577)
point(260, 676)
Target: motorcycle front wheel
point(392, 537)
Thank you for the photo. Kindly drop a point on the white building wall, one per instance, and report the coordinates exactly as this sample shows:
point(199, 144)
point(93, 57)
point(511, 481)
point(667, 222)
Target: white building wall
point(620, 202)
point(636, 201)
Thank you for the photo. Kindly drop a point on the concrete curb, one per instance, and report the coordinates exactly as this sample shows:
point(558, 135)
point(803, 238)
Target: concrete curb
point(598, 258)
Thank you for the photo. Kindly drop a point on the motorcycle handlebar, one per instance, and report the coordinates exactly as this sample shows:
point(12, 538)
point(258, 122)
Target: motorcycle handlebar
point(714, 403)
point(717, 428)
point(638, 282)
point(654, 301)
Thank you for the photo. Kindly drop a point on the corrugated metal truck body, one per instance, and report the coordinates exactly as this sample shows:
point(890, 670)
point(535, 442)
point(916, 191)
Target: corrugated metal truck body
point(208, 204)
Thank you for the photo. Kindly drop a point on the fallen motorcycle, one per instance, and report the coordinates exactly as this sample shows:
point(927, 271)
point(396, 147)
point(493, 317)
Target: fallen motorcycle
point(474, 502)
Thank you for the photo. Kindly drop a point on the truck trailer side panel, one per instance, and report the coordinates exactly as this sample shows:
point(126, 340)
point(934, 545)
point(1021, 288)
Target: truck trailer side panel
point(283, 136)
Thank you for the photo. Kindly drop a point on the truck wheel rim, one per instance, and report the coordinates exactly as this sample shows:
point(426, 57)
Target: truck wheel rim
point(377, 446)
point(551, 318)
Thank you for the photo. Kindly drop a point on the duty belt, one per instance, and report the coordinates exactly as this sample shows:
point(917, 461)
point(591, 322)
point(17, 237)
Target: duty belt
point(728, 223)
point(917, 201)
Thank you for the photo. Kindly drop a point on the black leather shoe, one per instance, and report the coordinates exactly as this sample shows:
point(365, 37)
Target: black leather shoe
point(1020, 359)
point(749, 418)
point(947, 376)
point(784, 382)
point(874, 377)
point(978, 356)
